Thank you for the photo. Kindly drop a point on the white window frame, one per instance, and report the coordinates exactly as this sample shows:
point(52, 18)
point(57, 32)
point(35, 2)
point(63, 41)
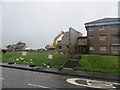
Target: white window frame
point(101, 36)
point(91, 48)
point(102, 28)
point(118, 48)
point(103, 48)
point(90, 29)
point(91, 37)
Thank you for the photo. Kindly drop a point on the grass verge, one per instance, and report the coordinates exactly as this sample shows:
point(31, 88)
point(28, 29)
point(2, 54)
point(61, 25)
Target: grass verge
point(99, 63)
point(94, 63)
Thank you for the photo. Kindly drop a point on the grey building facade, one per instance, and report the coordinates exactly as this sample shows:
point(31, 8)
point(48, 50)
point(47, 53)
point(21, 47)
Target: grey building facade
point(69, 41)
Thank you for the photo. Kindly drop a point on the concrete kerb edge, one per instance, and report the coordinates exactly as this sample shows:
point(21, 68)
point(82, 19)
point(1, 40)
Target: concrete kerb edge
point(22, 68)
point(44, 71)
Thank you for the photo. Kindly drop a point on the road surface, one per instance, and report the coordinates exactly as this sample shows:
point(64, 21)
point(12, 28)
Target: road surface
point(16, 78)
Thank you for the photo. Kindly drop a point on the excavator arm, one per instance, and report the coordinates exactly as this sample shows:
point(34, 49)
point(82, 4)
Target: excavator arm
point(54, 42)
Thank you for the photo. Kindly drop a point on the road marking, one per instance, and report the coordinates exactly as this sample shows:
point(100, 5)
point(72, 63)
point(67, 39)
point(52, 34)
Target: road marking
point(2, 79)
point(92, 83)
point(37, 86)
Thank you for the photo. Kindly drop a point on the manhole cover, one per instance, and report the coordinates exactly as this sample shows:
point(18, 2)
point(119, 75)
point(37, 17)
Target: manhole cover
point(81, 82)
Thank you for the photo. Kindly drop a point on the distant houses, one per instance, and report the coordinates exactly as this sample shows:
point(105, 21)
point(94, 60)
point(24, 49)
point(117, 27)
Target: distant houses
point(20, 46)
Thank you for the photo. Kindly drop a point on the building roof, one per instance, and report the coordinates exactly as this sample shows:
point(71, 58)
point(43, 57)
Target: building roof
point(104, 20)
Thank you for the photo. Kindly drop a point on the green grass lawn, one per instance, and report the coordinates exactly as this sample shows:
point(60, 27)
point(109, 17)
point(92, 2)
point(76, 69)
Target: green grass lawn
point(95, 63)
point(37, 58)
point(99, 63)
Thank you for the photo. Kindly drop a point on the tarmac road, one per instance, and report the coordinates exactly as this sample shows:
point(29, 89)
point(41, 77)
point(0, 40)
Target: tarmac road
point(16, 78)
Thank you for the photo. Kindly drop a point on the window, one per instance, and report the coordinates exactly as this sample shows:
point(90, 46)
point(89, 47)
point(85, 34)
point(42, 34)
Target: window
point(114, 26)
point(58, 41)
point(103, 48)
point(115, 47)
point(102, 37)
point(114, 37)
point(90, 28)
point(67, 46)
point(91, 37)
point(91, 47)
point(60, 47)
point(102, 27)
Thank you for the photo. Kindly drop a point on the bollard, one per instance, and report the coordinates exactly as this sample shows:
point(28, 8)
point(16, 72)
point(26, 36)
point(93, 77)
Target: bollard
point(11, 63)
point(31, 65)
point(4, 51)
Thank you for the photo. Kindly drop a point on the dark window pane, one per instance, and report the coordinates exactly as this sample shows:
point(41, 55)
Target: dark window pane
point(114, 26)
point(114, 37)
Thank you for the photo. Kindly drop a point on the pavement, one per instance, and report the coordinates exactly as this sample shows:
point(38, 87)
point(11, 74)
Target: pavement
point(65, 71)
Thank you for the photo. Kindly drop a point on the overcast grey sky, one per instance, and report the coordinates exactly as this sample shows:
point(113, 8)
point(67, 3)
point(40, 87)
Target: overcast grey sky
point(37, 23)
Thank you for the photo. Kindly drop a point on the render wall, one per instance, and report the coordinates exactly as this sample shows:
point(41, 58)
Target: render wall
point(69, 41)
point(74, 34)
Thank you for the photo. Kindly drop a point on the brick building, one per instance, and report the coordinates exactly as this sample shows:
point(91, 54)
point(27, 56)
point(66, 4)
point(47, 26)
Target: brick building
point(103, 36)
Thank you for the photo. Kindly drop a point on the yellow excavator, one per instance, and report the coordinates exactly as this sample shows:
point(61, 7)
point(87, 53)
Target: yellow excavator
point(52, 47)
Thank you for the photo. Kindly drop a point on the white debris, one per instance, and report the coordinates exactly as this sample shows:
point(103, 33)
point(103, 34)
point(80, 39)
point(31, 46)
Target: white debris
point(30, 62)
point(61, 52)
point(17, 59)
point(30, 59)
point(44, 64)
point(21, 58)
point(48, 66)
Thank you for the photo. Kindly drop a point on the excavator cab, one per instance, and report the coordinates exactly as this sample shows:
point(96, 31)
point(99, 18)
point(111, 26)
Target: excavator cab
point(48, 47)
